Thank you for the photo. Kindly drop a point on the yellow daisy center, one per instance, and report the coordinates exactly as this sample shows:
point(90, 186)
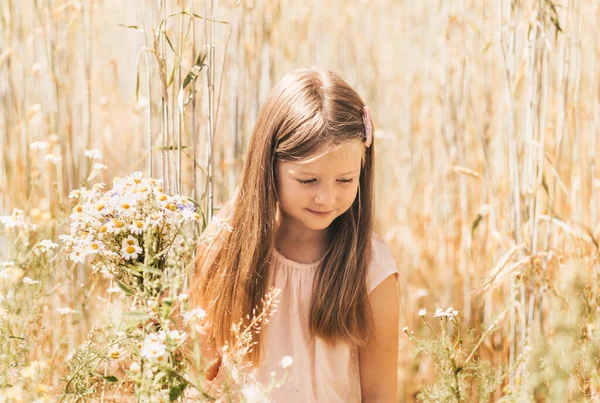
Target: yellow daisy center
point(130, 249)
point(118, 223)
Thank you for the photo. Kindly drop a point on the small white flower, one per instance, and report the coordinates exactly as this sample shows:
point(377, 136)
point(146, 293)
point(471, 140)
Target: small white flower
point(135, 367)
point(194, 314)
point(115, 352)
point(183, 297)
point(66, 311)
point(137, 227)
point(129, 241)
point(77, 255)
point(27, 280)
point(126, 207)
point(131, 251)
point(153, 349)
point(222, 224)
point(286, 362)
point(422, 312)
point(155, 218)
point(449, 313)
point(189, 214)
point(38, 145)
point(405, 329)
point(93, 246)
point(94, 154)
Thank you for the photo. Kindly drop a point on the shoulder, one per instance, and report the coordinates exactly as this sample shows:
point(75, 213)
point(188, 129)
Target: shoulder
point(381, 264)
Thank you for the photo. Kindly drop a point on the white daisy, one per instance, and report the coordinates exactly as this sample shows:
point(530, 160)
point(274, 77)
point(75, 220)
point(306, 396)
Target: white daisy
point(93, 246)
point(189, 214)
point(153, 349)
point(155, 218)
point(129, 241)
point(137, 227)
point(27, 280)
point(449, 313)
point(131, 251)
point(126, 207)
point(422, 312)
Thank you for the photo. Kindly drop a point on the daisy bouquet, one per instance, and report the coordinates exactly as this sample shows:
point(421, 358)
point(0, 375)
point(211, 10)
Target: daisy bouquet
point(129, 232)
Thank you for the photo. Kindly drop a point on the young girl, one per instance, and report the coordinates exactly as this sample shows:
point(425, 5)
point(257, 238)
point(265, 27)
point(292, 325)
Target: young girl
point(302, 222)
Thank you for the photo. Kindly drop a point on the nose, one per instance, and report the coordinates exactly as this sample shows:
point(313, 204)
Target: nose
point(325, 196)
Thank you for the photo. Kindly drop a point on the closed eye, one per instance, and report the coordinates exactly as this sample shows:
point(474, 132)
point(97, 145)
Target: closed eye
point(346, 180)
point(305, 182)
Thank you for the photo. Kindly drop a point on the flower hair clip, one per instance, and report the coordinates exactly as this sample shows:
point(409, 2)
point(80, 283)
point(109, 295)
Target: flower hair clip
point(368, 126)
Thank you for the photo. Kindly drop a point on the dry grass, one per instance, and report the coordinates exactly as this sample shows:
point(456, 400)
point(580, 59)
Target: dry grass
point(487, 145)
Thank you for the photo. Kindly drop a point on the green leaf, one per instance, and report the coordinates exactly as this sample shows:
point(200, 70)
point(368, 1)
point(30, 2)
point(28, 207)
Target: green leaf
point(109, 378)
point(128, 290)
point(177, 391)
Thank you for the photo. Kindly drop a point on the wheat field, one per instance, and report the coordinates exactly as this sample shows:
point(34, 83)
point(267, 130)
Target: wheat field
point(487, 117)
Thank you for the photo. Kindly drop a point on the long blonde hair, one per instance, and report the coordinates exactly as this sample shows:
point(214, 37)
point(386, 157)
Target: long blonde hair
point(306, 112)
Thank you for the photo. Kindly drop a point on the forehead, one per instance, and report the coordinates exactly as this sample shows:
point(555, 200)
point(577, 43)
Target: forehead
point(341, 159)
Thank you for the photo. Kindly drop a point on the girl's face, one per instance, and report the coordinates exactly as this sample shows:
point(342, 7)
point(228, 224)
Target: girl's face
point(314, 192)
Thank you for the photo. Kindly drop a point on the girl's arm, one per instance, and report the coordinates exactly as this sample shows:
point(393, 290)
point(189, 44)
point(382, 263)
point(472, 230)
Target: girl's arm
point(379, 359)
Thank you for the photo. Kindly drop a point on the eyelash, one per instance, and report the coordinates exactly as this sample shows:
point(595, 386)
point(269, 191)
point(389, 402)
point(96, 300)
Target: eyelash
point(307, 182)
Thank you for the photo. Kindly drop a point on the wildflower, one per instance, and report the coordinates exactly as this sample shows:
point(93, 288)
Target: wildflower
point(189, 214)
point(66, 311)
point(183, 297)
point(38, 145)
point(116, 226)
point(405, 329)
point(153, 348)
point(126, 207)
point(11, 273)
point(27, 280)
point(94, 154)
point(136, 177)
point(286, 362)
point(17, 220)
point(194, 314)
point(76, 193)
point(222, 224)
point(137, 227)
point(130, 241)
point(135, 367)
point(115, 352)
point(77, 255)
point(131, 251)
point(422, 312)
point(93, 247)
point(449, 313)
point(44, 246)
point(155, 218)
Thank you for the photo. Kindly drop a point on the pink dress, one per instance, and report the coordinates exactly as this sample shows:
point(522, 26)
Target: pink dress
point(320, 372)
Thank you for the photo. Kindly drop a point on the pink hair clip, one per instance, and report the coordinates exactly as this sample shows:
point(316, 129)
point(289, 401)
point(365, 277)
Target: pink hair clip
point(368, 126)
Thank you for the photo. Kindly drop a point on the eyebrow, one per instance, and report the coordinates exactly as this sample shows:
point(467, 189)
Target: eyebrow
point(313, 174)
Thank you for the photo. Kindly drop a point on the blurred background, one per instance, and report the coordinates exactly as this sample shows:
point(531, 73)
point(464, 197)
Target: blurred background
point(487, 117)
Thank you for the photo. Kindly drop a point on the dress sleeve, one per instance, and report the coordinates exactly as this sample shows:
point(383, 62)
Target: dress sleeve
point(382, 263)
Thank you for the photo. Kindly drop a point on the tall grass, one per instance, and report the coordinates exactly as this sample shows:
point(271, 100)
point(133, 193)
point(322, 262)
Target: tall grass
point(488, 145)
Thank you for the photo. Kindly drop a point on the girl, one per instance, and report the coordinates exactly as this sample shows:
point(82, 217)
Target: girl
point(302, 222)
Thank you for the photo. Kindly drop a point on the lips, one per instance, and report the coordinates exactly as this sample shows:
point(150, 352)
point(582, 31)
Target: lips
point(320, 213)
